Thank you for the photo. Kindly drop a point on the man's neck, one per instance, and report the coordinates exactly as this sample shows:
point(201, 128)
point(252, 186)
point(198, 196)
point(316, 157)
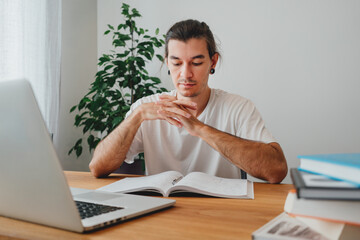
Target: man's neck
point(201, 101)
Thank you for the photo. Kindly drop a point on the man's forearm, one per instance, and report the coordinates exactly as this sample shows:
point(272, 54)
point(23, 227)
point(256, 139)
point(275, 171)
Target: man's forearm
point(261, 160)
point(111, 152)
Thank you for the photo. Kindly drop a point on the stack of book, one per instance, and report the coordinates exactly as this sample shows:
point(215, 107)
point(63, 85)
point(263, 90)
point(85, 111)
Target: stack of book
point(325, 203)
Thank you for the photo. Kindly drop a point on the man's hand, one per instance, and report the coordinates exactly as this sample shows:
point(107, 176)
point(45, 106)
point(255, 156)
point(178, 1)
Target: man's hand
point(177, 112)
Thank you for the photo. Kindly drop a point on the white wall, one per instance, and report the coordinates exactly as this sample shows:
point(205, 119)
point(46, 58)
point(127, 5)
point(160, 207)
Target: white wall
point(78, 68)
point(298, 61)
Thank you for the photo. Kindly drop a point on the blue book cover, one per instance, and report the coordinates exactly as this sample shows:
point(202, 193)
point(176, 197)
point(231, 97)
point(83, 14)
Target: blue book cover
point(346, 159)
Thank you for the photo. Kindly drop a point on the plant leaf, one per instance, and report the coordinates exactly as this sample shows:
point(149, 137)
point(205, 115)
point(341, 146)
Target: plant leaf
point(73, 108)
point(78, 151)
point(161, 59)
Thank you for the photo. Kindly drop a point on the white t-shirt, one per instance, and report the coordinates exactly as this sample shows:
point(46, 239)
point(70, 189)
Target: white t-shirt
point(167, 147)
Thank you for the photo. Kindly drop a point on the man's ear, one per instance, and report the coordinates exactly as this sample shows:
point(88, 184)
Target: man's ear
point(167, 65)
point(214, 60)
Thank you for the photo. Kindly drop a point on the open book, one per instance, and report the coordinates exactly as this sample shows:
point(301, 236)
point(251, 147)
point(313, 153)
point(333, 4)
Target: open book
point(172, 182)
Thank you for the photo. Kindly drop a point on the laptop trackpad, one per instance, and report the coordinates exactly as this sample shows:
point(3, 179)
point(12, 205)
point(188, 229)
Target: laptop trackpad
point(96, 196)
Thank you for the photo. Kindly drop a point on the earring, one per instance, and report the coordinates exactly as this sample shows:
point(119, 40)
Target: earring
point(212, 71)
point(168, 72)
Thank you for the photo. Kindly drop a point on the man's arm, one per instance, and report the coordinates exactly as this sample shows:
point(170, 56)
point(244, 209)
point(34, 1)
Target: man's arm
point(111, 152)
point(261, 160)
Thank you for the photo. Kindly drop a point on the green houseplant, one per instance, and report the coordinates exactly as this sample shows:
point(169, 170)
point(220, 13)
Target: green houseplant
point(121, 80)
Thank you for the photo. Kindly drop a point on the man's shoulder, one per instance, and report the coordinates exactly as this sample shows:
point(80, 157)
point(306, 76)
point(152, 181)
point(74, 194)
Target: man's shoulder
point(226, 97)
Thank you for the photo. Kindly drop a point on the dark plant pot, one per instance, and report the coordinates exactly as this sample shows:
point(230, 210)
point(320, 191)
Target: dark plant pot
point(137, 168)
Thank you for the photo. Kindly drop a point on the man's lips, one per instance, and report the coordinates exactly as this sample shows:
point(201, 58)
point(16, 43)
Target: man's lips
point(187, 84)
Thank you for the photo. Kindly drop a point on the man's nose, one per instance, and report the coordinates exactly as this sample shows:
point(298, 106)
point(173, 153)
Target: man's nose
point(186, 72)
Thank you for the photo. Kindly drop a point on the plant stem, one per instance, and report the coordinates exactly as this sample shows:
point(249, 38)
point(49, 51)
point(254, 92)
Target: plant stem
point(132, 66)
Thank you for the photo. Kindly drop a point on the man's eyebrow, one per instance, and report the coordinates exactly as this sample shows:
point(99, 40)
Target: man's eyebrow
point(198, 56)
point(195, 57)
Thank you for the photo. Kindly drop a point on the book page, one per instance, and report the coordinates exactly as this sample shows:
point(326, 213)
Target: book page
point(214, 186)
point(287, 228)
point(156, 183)
point(331, 230)
point(313, 180)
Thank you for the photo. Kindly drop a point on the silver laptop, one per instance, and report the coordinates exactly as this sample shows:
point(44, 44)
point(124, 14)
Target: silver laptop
point(32, 184)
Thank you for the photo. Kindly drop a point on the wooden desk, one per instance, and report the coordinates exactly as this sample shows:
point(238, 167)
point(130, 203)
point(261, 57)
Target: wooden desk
point(190, 218)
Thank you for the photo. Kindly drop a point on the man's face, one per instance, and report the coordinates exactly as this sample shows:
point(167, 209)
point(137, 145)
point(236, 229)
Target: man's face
point(189, 63)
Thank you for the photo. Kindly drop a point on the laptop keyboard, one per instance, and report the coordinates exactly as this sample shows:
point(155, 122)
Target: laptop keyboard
point(93, 209)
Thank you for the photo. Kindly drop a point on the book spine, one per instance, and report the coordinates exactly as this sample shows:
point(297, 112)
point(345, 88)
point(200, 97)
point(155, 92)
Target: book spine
point(297, 180)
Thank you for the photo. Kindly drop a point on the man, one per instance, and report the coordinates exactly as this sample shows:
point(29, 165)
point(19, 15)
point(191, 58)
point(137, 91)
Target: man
point(193, 128)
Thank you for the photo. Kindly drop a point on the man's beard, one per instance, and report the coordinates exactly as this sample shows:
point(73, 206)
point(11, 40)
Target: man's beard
point(181, 81)
point(187, 81)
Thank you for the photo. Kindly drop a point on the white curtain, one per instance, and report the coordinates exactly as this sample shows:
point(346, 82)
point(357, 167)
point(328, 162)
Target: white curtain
point(30, 48)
